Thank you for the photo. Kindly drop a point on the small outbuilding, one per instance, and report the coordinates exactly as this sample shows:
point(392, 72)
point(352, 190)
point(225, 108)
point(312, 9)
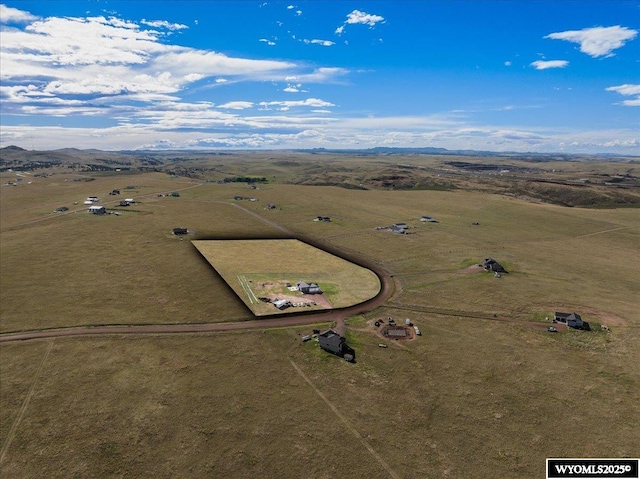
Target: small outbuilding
point(282, 304)
point(400, 228)
point(180, 231)
point(97, 210)
point(308, 288)
point(429, 219)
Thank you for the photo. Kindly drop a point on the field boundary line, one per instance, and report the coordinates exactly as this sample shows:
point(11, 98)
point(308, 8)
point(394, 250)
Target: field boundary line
point(247, 289)
point(25, 403)
point(353, 430)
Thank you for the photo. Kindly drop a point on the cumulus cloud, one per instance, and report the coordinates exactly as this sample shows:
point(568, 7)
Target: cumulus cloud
point(362, 18)
point(268, 42)
point(627, 90)
point(598, 41)
point(13, 15)
point(545, 64)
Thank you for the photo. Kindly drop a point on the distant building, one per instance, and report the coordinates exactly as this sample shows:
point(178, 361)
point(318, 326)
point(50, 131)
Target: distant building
point(309, 288)
point(429, 219)
point(334, 343)
point(490, 264)
point(572, 320)
point(400, 228)
point(180, 231)
point(282, 304)
point(97, 210)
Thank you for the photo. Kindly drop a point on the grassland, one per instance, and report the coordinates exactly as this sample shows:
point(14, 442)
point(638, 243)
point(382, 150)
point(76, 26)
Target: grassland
point(249, 265)
point(473, 398)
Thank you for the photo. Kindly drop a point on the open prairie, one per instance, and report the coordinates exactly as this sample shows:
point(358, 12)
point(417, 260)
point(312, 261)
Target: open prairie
point(484, 392)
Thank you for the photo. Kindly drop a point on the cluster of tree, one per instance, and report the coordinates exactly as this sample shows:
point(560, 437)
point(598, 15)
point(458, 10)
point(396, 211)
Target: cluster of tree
point(245, 179)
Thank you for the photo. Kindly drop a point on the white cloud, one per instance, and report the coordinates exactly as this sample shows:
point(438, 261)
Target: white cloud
point(507, 64)
point(163, 24)
point(237, 105)
point(13, 15)
point(363, 18)
point(268, 42)
point(313, 102)
point(324, 43)
point(545, 64)
point(598, 41)
point(290, 7)
point(627, 90)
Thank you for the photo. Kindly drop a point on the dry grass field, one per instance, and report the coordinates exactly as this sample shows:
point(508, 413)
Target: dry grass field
point(471, 397)
point(251, 267)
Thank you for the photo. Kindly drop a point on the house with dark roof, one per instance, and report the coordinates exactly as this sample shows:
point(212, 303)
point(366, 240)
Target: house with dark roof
point(308, 288)
point(490, 264)
point(572, 320)
point(332, 342)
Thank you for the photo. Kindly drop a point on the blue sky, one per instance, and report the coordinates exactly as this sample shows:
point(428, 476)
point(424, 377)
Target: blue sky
point(541, 76)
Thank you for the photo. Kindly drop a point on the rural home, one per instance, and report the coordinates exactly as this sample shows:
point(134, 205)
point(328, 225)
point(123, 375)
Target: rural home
point(97, 210)
point(572, 320)
point(400, 228)
point(428, 219)
point(490, 264)
point(332, 342)
point(308, 288)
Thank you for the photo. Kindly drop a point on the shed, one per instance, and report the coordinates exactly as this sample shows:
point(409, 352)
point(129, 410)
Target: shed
point(399, 228)
point(97, 210)
point(309, 288)
point(282, 304)
point(180, 231)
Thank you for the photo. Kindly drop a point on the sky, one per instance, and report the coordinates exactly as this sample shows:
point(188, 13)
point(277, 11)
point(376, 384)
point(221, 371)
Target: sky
point(547, 76)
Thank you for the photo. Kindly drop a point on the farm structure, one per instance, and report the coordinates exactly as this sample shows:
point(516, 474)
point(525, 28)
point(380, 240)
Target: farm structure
point(572, 320)
point(400, 228)
point(308, 288)
point(97, 210)
point(490, 264)
point(333, 343)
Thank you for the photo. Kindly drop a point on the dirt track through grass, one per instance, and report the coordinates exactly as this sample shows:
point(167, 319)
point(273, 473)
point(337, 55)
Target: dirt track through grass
point(348, 425)
point(25, 403)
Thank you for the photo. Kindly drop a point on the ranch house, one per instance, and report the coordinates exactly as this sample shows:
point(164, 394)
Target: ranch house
point(332, 342)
